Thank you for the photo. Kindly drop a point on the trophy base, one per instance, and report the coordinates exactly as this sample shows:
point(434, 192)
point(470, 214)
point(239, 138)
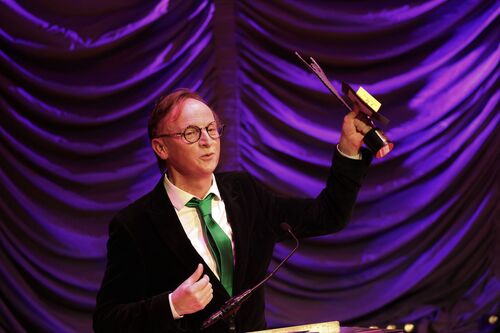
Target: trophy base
point(378, 143)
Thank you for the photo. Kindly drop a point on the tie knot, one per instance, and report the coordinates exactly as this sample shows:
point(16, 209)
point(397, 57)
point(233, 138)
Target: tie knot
point(204, 206)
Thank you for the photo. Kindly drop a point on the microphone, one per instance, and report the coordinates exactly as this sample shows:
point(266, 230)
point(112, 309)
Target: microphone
point(233, 304)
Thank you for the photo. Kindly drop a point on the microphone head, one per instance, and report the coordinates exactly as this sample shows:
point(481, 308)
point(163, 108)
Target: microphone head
point(285, 226)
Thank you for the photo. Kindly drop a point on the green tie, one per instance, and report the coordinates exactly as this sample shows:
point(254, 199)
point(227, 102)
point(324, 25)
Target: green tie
point(219, 242)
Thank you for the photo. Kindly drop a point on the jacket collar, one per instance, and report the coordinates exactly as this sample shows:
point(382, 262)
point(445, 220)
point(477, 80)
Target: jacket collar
point(179, 197)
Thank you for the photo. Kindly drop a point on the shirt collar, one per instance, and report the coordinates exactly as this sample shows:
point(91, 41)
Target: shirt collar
point(180, 198)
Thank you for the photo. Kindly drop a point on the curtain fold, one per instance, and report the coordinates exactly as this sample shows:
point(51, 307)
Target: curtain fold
point(77, 83)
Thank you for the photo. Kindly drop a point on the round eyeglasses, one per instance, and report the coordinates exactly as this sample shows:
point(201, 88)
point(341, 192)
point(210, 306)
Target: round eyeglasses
point(192, 133)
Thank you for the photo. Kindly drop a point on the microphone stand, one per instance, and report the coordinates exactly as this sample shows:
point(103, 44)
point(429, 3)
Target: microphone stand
point(232, 305)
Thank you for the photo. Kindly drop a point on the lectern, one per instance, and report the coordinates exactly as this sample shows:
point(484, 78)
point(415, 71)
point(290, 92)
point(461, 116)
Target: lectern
point(327, 327)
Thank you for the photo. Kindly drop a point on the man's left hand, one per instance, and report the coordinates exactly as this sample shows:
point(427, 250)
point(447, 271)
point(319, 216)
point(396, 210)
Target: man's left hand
point(353, 131)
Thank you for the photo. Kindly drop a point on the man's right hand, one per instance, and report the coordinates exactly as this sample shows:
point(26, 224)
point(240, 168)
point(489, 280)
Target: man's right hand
point(193, 294)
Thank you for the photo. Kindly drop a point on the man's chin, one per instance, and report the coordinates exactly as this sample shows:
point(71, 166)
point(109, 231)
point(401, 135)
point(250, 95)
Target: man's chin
point(211, 164)
point(208, 169)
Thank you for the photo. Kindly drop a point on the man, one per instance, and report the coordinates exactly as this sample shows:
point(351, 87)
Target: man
point(172, 264)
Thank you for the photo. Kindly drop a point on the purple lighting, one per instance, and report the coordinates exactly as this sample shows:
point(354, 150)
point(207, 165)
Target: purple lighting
point(79, 79)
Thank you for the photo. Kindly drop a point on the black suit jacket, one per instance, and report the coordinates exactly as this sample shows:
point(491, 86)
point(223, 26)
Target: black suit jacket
point(149, 254)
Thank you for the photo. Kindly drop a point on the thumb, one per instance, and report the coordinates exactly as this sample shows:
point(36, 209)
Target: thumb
point(195, 276)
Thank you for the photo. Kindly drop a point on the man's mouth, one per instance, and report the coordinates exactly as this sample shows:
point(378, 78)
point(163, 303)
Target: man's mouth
point(207, 156)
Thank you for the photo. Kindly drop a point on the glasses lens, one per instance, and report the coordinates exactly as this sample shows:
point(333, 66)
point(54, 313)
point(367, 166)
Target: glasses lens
point(192, 134)
point(213, 131)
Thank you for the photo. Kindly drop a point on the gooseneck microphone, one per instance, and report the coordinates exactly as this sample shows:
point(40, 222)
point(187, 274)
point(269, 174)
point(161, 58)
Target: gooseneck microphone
point(233, 304)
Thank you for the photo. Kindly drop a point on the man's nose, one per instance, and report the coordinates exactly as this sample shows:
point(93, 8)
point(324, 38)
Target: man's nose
point(205, 139)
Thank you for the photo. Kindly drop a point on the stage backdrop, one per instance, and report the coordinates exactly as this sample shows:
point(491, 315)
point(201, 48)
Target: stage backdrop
point(79, 78)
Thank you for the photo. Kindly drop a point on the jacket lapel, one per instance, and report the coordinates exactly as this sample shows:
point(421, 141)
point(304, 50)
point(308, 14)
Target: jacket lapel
point(169, 228)
point(235, 216)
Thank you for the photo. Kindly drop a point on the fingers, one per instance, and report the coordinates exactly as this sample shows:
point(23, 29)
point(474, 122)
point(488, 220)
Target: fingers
point(361, 126)
point(357, 121)
point(201, 291)
point(195, 276)
point(354, 112)
point(203, 288)
point(202, 284)
point(200, 288)
point(206, 299)
point(193, 294)
point(353, 131)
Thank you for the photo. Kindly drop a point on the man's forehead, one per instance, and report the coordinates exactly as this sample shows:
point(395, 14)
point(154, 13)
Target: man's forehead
point(190, 112)
point(191, 103)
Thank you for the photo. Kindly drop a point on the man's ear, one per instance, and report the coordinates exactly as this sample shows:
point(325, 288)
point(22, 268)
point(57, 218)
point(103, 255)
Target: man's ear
point(159, 148)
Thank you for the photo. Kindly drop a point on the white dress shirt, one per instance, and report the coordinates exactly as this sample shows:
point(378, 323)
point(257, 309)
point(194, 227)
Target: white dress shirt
point(192, 225)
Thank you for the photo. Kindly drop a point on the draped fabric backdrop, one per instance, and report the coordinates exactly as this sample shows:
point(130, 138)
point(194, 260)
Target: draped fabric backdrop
point(78, 80)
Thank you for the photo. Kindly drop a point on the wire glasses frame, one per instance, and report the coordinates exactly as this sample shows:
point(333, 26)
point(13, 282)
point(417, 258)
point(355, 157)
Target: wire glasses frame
point(192, 133)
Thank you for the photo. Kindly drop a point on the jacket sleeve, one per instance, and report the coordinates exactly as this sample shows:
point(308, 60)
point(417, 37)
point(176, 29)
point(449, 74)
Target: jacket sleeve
point(329, 212)
point(121, 304)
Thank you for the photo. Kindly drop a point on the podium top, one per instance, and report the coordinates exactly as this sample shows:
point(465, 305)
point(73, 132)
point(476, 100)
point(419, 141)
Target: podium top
point(369, 330)
point(325, 327)
point(328, 327)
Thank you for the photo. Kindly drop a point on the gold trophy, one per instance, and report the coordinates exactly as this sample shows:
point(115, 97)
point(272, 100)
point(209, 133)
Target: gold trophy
point(374, 139)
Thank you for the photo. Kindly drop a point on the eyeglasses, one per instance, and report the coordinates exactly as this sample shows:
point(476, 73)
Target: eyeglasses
point(192, 133)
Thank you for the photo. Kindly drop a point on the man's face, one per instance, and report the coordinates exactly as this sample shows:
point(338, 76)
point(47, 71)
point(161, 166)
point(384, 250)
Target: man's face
point(190, 160)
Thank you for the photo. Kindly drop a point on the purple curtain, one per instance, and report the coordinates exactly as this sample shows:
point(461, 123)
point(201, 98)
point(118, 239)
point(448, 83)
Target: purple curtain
point(78, 80)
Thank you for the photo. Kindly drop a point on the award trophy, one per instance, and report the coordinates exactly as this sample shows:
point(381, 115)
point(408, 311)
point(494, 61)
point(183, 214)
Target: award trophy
point(374, 139)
